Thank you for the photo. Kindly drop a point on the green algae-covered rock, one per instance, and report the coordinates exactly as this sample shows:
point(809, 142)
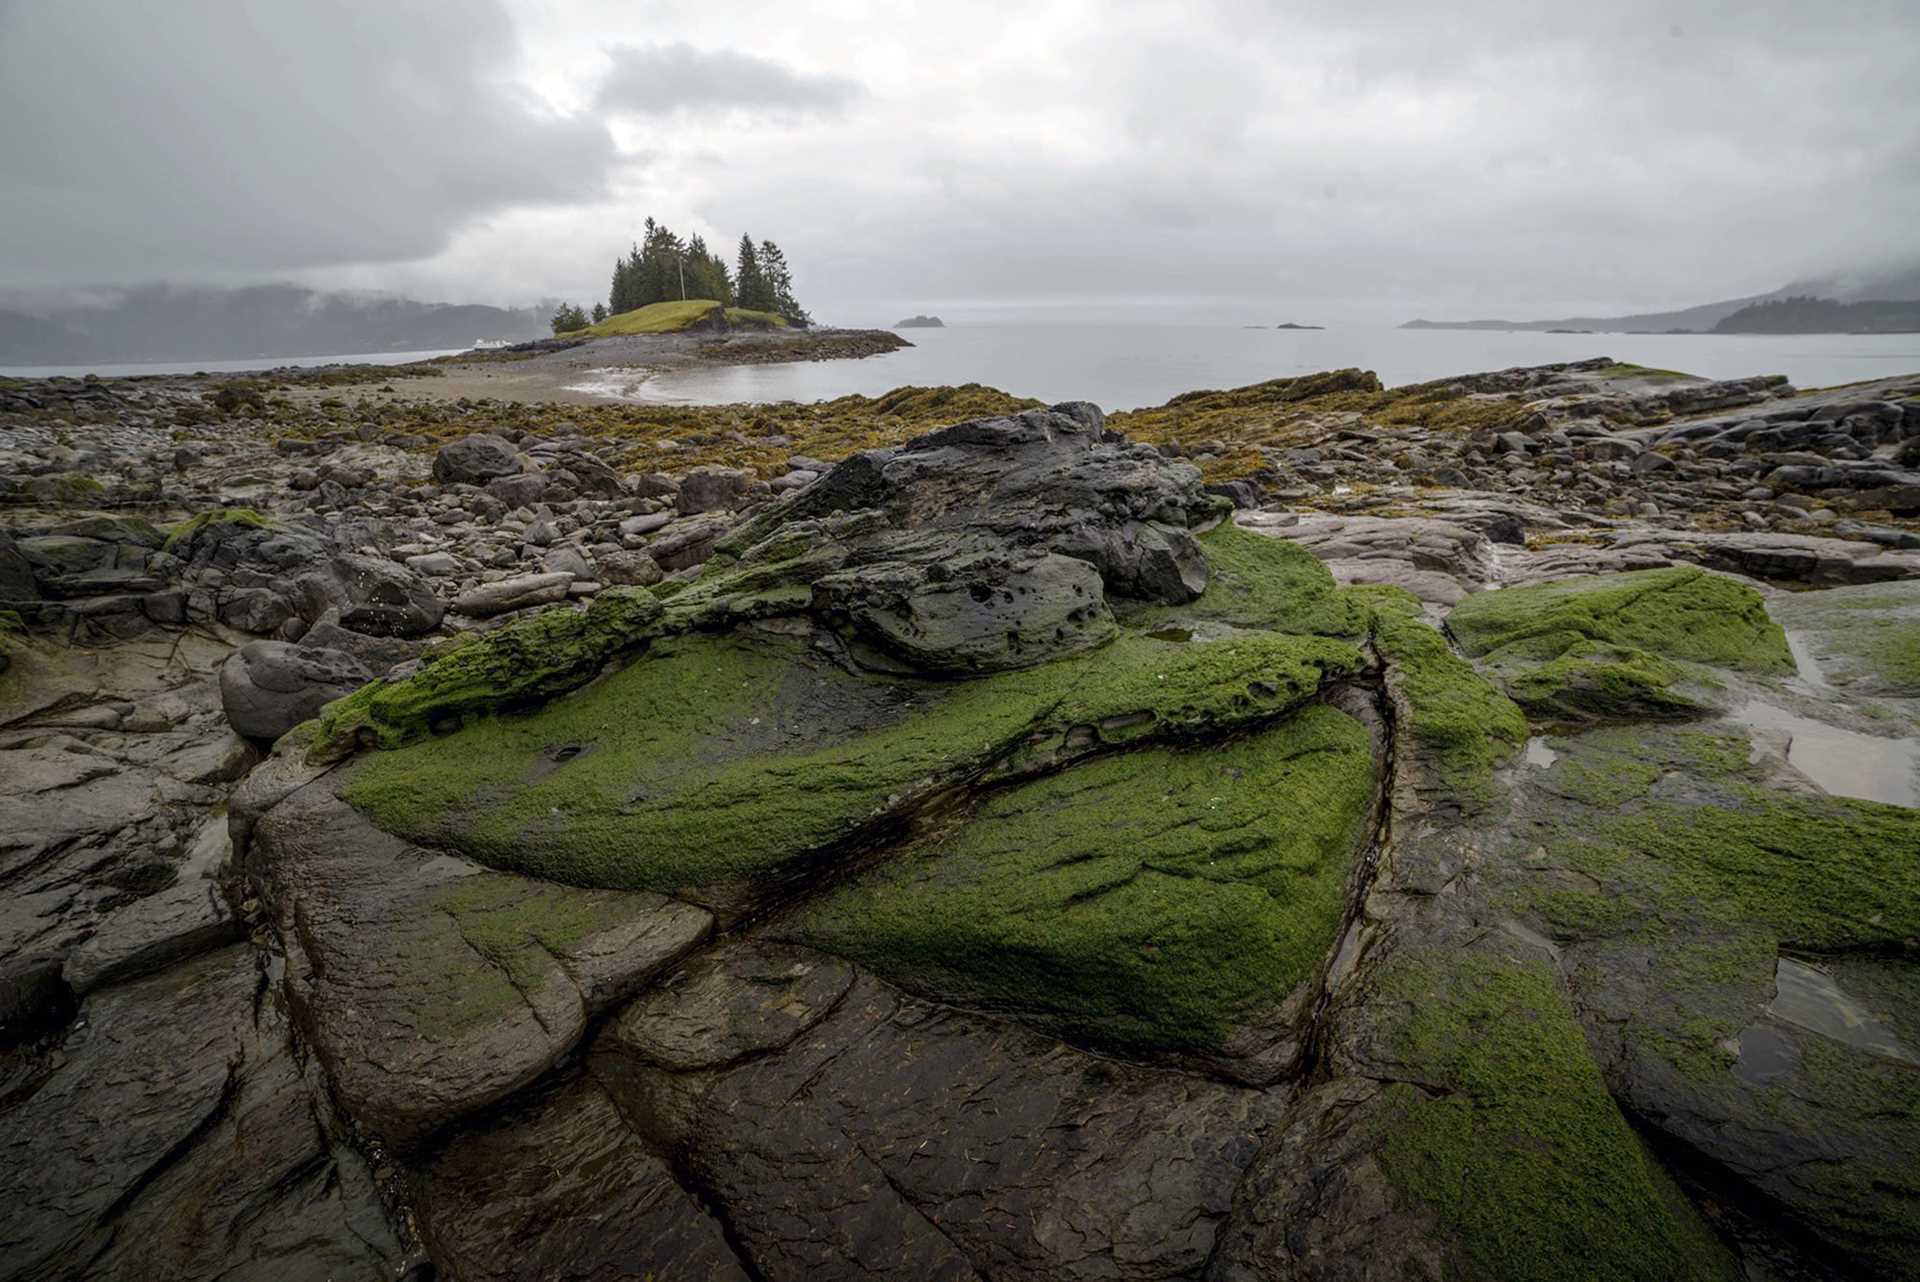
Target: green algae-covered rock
point(1255, 581)
point(989, 865)
point(1677, 613)
point(530, 659)
point(1144, 902)
point(1507, 1136)
point(1459, 728)
point(1865, 639)
point(715, 762)
point(1595, 681)
point(1739, 951)
point(181, 539)
point(1646, 644)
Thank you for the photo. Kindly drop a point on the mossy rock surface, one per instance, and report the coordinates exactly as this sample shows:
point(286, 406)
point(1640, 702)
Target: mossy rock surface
point(1460, 725)
point(1677, 613)
point(532, 658)
point(1255, 581)
point(1683, 830)
point(1864, 639)
point(725, 759)
point(1460, 728)
point(1145, 901)
point(59, 489)
point(1743, 955)
point(183, 535)
point(1596, 681)
point(1507, 1136)
point(1646, 645)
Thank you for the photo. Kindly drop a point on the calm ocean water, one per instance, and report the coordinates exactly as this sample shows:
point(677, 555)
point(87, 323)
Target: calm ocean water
point(1125, 366)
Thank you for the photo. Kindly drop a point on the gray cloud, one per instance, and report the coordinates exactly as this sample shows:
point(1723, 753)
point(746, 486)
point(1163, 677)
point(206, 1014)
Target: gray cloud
point(1393, 159)
point(200, 137)
point(660, 79)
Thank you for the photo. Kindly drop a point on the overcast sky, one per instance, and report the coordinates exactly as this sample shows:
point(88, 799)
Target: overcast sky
point(1230, 160)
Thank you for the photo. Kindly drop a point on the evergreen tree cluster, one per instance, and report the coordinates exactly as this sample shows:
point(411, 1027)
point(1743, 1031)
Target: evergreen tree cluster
point(567, 317)
point(662, 268)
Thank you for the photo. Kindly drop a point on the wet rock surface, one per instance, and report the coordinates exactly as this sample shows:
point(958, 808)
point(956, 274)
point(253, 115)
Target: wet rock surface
point(750, 848)
point(269, 687)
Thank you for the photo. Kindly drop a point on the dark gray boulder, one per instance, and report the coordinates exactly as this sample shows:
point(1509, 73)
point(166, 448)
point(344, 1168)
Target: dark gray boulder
point(988, 545)
point(376, 654)
point(629, 567)
point(516, 593)
point(706, 488)
point(475, 460)
point(269, 687)
point(372, 595)
point(980, 613)
point(519, 490)
point(685, 544)
point(1045, 479)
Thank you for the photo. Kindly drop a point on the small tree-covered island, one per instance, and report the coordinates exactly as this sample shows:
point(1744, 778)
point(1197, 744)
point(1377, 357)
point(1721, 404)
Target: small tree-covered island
point(660, 268)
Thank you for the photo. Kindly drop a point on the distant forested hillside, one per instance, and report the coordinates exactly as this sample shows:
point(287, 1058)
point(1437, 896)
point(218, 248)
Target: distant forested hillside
point(1806, 315)
point(173, 323)
point(1901, 282)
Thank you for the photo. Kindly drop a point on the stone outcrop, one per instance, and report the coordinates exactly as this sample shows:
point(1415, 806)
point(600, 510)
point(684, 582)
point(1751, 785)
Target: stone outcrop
point(980, 858)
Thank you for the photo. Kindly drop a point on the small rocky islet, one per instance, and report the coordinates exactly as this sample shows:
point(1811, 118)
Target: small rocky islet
point(1306, 831)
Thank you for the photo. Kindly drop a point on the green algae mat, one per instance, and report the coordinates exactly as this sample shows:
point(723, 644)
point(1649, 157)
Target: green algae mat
point(1647, 644)
point(1514, 1145)
point(1150, 900)
point(717, 759)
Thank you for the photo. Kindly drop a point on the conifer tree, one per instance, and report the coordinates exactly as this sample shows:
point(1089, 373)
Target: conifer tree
point(706, 275)
point(749, 283)
point(779, 279)
point(661, 267)
point(620, 297)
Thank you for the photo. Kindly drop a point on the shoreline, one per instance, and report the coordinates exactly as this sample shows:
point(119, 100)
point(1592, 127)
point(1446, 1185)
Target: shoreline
point(564, 376)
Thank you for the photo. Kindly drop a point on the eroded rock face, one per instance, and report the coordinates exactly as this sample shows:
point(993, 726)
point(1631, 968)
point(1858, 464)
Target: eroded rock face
point(895, 1139)
point(560, 1187)
point(175, 1135)
point(431, 987)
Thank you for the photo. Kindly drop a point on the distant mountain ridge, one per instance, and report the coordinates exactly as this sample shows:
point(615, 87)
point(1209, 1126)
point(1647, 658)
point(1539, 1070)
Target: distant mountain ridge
point(1897, 284)
point(178, 323)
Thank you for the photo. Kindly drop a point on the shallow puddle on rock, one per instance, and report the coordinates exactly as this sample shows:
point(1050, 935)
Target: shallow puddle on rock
point(1809, 998)
point(1764, 1055)
point(1803, 662)
point(1844, 763)
point(1539, 754)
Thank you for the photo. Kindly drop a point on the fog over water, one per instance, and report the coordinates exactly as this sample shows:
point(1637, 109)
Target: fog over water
point(1124, 366)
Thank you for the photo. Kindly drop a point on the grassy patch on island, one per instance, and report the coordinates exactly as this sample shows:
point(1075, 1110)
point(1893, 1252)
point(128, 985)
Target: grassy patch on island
point(674, 317)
